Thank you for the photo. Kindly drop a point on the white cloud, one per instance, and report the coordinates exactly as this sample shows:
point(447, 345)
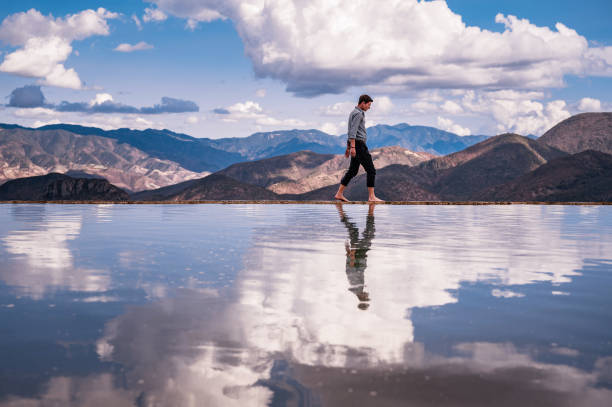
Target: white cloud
point(137, 21)
point(192, 119)
point(515, 111)
point(46, 43)
point(424, 107)
point(250, 110)
point(101, 98)
point(382, 105)
point(409, 44)
point(194, 11)
point(40, 123)
point(589, 105)
point(260, 93)
point(331, 128)
point(448, 125)
point(153, 14)
point(451, 107)
point(246, 109)
point(131, 48)
point(35, 112)
point(338, 109)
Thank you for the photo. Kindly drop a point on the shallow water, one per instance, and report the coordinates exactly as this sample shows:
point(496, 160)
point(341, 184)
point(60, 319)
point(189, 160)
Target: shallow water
point(305, 305)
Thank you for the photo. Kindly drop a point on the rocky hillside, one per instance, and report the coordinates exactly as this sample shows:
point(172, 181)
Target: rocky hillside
point(585, 176)
point(586, 131)
point(55, 186)
point(458, 176)
point(221, 187)
point(306, 171)
point(25, 153)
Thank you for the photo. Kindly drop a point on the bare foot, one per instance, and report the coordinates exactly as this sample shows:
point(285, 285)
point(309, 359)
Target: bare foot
point(341, 198)
point(375, 199)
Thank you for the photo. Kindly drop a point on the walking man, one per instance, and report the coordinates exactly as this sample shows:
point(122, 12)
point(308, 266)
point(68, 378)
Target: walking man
point(357, 149)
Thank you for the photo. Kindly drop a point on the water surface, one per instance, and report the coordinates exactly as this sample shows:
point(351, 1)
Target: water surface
point(305, 305)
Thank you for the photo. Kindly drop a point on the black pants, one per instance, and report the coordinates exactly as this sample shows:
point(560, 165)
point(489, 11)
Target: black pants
point(363, 158)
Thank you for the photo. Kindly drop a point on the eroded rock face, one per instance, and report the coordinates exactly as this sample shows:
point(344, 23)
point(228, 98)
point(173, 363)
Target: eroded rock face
point(60, 187)
point(26, 153)
point(585, 131)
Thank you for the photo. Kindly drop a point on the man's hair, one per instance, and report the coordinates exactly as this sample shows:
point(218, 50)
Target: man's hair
point(365, 99)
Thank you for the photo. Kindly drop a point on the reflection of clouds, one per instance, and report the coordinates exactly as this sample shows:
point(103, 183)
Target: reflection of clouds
point(187, 351)
point(91, 391)
point(291, 303)
point(507, 246)
point(299, 303)
point(43, 260)
point(195, 350)
point(297, 292)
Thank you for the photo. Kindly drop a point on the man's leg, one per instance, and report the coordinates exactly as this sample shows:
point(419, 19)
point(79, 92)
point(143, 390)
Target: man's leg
point(350, 173)
point(368, 165)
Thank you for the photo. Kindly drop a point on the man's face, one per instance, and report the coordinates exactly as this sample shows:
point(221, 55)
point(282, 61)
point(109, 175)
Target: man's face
point(365, 106)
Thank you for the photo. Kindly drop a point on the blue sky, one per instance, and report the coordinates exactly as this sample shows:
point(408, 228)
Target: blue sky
point(229, 69)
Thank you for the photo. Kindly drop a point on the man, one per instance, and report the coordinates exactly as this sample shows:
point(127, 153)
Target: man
point(357, 149)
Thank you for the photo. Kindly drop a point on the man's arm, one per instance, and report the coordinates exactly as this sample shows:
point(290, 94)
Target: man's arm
point(354, 121)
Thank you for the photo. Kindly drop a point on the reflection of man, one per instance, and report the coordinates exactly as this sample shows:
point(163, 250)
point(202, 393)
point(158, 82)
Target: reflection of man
point(356, 254)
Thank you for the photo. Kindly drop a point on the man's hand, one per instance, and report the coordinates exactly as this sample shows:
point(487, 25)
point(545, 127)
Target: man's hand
point(347, 152)
point(353, 151)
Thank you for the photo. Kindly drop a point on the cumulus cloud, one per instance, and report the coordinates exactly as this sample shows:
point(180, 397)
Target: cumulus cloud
point(589, 105)
point(131, 48)
point(451, 107)
point(27, 96)
point(101, 98)
point(315, 46)
point(252, 111)
point(195, 11)
point(423, 106)
point(515, 111)
point(448, 125)
point(45, 43)
point(153, 14)
point(382, 105)
point(333, 128)
point(338, 109)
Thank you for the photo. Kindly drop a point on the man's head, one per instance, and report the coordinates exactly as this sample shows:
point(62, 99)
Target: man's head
point(365, 102)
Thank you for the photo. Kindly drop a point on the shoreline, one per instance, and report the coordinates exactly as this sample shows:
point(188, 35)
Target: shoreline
point(288, 202)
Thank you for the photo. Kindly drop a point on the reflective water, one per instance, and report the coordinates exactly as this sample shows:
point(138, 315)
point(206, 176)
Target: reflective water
point(305, 305)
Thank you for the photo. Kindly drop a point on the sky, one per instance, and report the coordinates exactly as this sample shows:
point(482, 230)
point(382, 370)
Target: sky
point(212, 68)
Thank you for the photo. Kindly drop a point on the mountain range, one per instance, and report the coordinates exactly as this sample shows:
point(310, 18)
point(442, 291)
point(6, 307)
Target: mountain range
point(27, 152)
point(569, 162)
point(137, 160)
point(505, 167)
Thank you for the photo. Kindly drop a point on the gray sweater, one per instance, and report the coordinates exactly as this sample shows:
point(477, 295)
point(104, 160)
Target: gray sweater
point(356, 125)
